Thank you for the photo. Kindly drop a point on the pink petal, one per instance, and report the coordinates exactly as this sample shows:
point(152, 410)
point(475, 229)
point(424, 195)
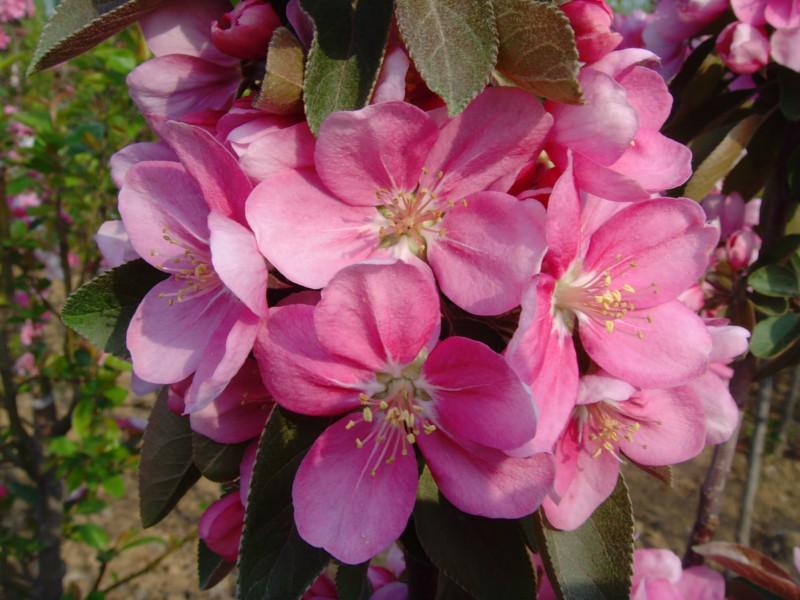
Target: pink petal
point(175, 85)
point(659, 248)
point(598, 388)
point(544, 357)
point(721, 414)
point(135, 153)
point(340, 506)
point(225, 354)
point(299, 373)
point(391, 84)
point(238, 263)
point(657, 358)
point(477, 396)
point(180, 331)
point(284, 148)
point(306, 233)
point(616, 64)
point(392, 591)
point(498, 132)
point(371, 307)
point(175, 28)
point(224, 185)
point(220, 527)
point(300, 22)
point(701, 583)
point(728, 342)
point(647, 92)
point(485, 482)
point(750, 11)
point(607, 183)
point(671, 426)
point(160, 199)
point(782, 14)
point(785, 47)
point(655, 564)
point(380, 147)
point(113, 242)
point(491, 248)
point(563, 223)
point(582, 482)
point(655, 161)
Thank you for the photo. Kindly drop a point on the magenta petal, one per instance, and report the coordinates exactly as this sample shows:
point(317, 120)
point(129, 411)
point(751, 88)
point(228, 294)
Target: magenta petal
point(785, 47)
point(582, 483)
point(644, 350)
point(486, 482)
point(380, 147)
point(498, 132)
point(225, 354)
point(340, 506)
point(135, 153)
point(306, 233)
point(238, 263)
point(563, 223)
point(158, 199)
point(220, 527)
point(477, 396)
point(224, 185)
point(490, 250)
point(299, 373)
point(397, 590)
point(749, 11)
point(283, 148)
point(174, 85)
point(370, 308)
point(655, 161)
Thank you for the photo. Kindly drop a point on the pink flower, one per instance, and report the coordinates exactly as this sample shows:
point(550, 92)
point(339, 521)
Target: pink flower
point(614, 137)
point(743, 48)
point(245, 31)
point(617, 283)
point(189, 77)
point(742, 248)
point(14, 10)
point(728, 210)
point(25, 365)
point(612, 420)
point(29, 332)
point(390, 184)
point(781, 14)
point(369, 350)
point(186, 219)
point(592, 20)
point(631, 27)
point(657, 575)
point(5, 40)
point(220, 526)
point(785, 47)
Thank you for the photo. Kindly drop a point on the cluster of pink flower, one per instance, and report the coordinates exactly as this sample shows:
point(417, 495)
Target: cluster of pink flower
point(762, 29)
point(13, 10)
point(554, 208)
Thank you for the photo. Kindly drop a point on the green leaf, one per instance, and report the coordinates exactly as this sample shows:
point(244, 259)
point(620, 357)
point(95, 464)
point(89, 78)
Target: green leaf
point(282, 88)
point(790, 93)
point(537, 49)
point(78, 25)
point(114, 486)
point(775, 335)
point(143, 541)
point(211, 568)
point(352, 582)
point(345, 56)
point(166, 470)
point(274, 562)
point(453, 44)
point(217, 462)
point(485, 557)
point(101, 309)
point(772, 307)
point(446, 589)
point(594, 561)
point(774, 280)
point(82, 417)
point(92, 535)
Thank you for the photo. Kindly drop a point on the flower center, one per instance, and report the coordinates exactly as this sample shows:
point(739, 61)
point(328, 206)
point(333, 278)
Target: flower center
point(604, 429)
point(192, 268)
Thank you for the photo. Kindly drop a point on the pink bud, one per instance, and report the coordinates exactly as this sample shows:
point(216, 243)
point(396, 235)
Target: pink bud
point(3, 492)
point(220, 526)
point(175, 396)
point(743, 48)
point(743, 247)
point(591, 20)
point(245, 31)
point(728, 210)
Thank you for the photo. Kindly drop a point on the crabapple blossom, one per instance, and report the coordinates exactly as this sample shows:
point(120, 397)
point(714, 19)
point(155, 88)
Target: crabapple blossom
point(744, 48)
point(397, 387)
point(591, 20)
point(245, 31)
point(658, 575)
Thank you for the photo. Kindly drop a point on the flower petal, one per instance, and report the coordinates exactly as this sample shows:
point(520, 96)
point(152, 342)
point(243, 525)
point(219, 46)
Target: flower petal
point(563, 223)
point(719, 407)
point(655, 161)
point(279, 149)
point(135, 153)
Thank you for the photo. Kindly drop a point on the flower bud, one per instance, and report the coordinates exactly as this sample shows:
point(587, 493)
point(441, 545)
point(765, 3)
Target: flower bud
point(591, 20)
point(220, 526)
point(742, 248)
point(728, 210)
point(743, 48)
point(245, 31)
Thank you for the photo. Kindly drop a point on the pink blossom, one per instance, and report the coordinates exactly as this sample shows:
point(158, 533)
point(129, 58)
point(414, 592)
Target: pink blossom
point(29, 332)
point(785, 47)
point(592, 20)
point(370, 350)
point(220, 526)
point(742, 248)
point(114, 245)
point(14, 10)
point(124, 159)
point(743, 48)
point(389, 183)
point(657, 575)
point(614, 137)
point(631, 27)
point(5, 41)
point(781, 14)
point(728, 210)
point(25, 365)
point(245, 31)
point(613, 420)
point(186, 219)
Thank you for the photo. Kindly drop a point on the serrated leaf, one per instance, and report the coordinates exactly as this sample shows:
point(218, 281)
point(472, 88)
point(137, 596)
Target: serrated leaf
point(774, 280)
point(101, 309)
point(345, 56)
point(78, 25)
point(166, 470)
point(352, 582)
point(453, 44)
point(217, 462)
point(775, 335)
point(485, 557)
point(211, 567)
point(537, 49)
point(594, 561)
point(274, 562)
point(282, 87)
point(723, 158)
